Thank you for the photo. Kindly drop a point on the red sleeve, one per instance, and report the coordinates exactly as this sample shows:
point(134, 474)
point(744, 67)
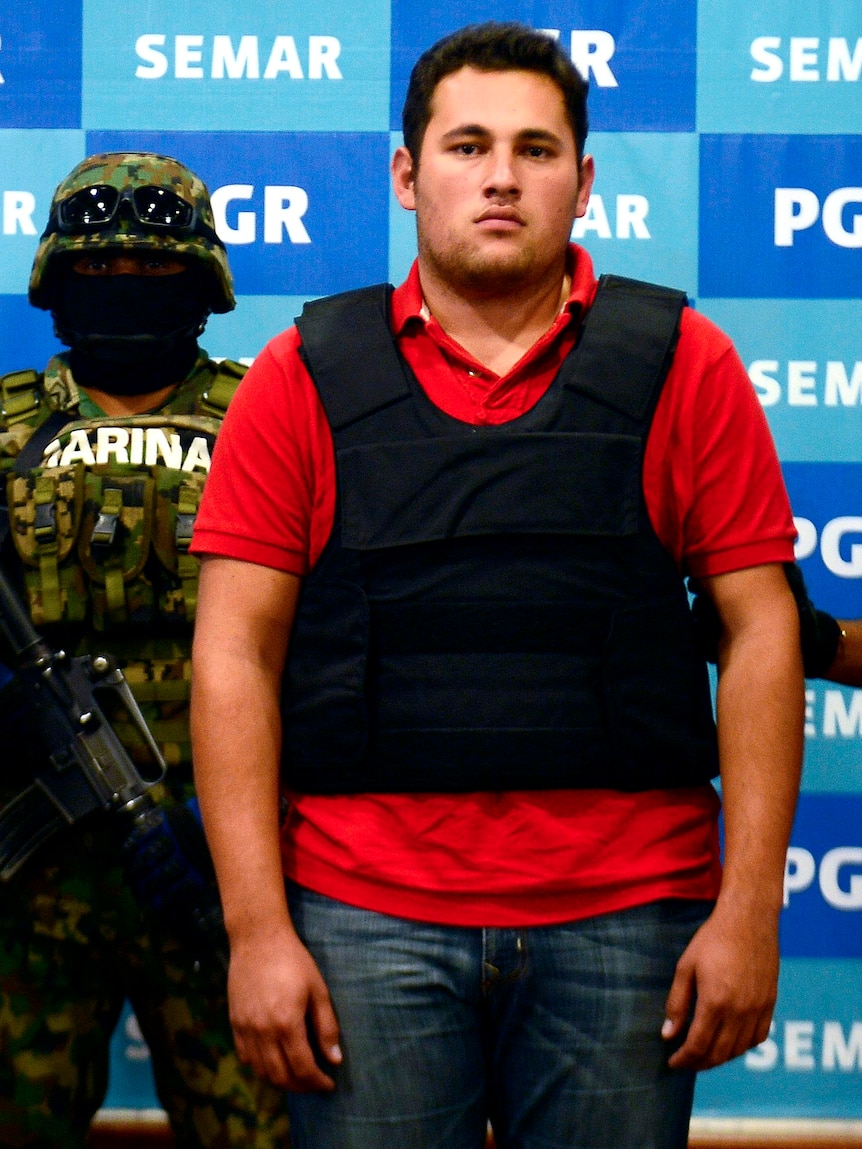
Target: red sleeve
point(270, 495)
point(712, 479)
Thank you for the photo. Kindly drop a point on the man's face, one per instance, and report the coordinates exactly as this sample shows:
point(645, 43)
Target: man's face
point(498, 185)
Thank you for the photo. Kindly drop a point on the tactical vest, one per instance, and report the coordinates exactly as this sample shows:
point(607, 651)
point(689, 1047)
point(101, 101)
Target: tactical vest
point(493, 610)
point(100, 515)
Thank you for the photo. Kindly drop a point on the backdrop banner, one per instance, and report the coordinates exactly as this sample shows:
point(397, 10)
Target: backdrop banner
point(729, 164)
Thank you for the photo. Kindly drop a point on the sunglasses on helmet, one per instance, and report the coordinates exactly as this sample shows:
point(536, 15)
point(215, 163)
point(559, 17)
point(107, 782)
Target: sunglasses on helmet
point(156, 209)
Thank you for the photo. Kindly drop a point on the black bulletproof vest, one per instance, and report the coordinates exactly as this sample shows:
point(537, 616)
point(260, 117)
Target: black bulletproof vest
point(493, 610)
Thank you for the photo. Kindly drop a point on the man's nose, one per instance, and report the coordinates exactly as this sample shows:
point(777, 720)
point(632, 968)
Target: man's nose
point(501, 178)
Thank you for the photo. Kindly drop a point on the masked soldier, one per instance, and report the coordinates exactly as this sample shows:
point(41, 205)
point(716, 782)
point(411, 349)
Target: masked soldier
point(102, 460)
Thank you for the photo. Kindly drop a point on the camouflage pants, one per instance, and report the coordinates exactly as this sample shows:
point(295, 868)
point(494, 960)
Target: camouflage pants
point(73, 946)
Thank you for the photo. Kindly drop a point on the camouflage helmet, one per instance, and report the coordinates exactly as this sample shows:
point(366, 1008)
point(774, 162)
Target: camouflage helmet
point(127, 171)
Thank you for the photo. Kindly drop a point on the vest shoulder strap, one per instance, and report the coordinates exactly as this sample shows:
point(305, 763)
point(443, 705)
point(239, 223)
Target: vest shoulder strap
point(626, 344)
point(347, 346)
point(30, 455)
point(624, 352)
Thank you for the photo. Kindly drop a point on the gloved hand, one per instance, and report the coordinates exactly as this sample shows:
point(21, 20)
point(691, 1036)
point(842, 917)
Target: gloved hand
point(170, 870)
point(819, 632)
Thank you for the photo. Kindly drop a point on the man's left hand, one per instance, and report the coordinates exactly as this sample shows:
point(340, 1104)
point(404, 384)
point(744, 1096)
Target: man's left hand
point(729, 975)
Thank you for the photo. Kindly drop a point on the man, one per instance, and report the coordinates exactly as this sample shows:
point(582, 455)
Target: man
point(442, 596)
point(103, 457)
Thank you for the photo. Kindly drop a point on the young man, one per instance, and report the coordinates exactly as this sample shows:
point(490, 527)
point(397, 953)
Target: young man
point(103, 456)
point(442, 606)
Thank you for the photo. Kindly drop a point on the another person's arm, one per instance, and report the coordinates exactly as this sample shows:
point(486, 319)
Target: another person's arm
point(831, 648)
point(276, 992)
point(728, 974)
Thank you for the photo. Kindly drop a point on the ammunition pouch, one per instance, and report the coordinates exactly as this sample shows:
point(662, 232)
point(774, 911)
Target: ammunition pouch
point(109, 543)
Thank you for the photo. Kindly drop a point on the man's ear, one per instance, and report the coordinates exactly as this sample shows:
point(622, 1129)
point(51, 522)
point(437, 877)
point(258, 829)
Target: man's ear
point(402, 178)
point(586, 175)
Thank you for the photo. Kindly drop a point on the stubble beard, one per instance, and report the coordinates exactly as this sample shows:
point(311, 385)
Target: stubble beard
point(474, 271)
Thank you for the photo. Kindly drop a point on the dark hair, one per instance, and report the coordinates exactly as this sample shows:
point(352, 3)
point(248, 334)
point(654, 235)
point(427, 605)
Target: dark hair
point(492, 47)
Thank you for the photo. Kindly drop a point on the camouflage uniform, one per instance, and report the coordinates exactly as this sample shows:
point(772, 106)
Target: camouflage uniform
point(74, 944)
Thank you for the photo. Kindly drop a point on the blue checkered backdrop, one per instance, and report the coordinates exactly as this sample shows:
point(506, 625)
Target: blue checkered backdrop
point(729, 164)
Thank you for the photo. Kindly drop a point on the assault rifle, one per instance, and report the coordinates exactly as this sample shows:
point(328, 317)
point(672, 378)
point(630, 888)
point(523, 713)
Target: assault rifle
point(87, 770)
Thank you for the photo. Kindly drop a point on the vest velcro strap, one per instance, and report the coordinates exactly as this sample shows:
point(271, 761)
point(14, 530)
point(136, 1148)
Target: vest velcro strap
point(165, 690)
point(188, 569)
point(115, 593)
point(163, 730)
point(49, 584)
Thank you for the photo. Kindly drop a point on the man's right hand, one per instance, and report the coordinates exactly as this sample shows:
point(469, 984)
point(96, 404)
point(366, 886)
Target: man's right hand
point(280, 1008)
point(281, 1013)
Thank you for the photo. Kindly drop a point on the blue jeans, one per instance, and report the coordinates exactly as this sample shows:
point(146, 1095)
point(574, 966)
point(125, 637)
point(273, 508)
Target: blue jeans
point(551, 1033)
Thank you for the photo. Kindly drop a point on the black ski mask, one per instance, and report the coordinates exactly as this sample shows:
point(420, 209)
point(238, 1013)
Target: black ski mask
point(131, 334)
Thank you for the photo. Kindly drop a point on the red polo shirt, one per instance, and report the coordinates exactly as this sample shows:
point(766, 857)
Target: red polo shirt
point(715, 496)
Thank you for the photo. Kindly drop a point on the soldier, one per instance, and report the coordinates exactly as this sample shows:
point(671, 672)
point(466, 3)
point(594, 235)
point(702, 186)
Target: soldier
point(103, 458)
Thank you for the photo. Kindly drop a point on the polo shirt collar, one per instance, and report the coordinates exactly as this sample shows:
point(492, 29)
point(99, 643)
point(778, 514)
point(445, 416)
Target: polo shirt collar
point(408, 304)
